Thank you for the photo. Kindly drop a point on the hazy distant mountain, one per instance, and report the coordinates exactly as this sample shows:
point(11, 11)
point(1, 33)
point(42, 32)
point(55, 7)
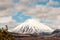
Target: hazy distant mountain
point(32, 26)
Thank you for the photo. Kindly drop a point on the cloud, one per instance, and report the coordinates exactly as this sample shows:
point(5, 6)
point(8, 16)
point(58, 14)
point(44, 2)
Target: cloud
point(6, 12)
point(5, 19)
point(50, 11)
point(38, 11)
point(6, 7)
point(54, 3)
point(11, 23)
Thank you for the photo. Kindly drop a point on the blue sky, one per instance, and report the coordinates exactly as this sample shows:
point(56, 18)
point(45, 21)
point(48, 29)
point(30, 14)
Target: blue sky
point(16, 1)
point(42, 2)
point(20, 17)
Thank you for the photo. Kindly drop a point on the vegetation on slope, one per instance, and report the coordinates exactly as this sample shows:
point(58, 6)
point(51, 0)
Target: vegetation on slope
point(5, 35)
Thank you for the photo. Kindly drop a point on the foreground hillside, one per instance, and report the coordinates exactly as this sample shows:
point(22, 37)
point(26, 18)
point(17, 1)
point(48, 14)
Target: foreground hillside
point(5, 35)
point(17, 36)
point(38, 38)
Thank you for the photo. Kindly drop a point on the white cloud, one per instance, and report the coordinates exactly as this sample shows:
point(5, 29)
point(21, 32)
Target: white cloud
point(53, 3)
point(6, 7)
point(5, 19)
point(9, 22)
point(36, 11)
point(6, 12)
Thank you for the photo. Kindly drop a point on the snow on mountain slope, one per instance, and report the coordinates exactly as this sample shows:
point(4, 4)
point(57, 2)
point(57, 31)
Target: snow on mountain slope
point(31, 26)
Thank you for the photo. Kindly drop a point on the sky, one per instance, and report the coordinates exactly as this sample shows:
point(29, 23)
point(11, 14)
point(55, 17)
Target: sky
point(15, 12)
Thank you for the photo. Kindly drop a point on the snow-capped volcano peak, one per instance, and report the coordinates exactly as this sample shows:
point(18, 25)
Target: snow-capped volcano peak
point(32, 21)
point(32, 26)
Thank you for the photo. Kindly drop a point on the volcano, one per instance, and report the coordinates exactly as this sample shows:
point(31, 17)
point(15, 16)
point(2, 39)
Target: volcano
point(32, 26)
